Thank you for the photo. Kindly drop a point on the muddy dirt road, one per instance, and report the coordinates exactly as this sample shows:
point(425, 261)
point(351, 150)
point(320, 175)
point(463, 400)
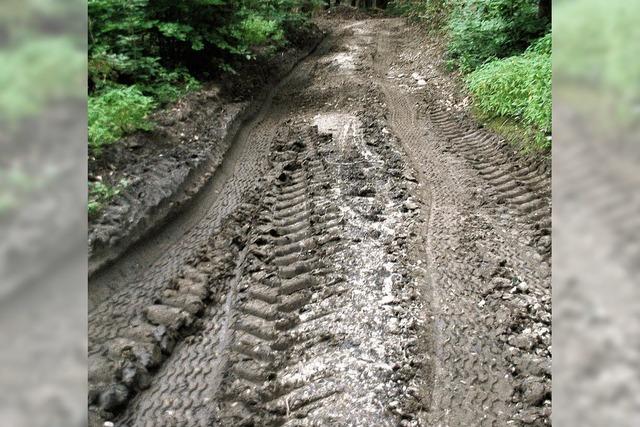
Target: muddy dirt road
point(365, 258)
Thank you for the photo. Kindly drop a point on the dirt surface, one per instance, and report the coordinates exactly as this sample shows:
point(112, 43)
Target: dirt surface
point(159, 172)
point(368, 258)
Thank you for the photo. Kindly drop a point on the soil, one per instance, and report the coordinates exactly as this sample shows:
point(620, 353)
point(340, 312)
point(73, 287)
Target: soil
point(158, 172)
point(367, 256)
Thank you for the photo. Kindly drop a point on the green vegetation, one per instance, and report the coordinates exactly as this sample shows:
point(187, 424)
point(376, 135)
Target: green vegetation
point(518, 87)
point(503, 47)
point(115, 112)
point(145, 53)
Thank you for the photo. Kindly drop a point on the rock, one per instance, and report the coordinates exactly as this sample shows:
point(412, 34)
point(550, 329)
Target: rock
point(100, 369)
point(113, 397)
point(411, 206)
point(534, 392)
point(422, 82)
point(523, 287)
point(135, 376)
point(190, 303)
point(522, 342)
point(388, 300)
point(146, 353)
point(172, 318)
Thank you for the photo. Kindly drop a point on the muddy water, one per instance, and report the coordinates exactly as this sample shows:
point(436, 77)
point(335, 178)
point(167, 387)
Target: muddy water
point(340, 270)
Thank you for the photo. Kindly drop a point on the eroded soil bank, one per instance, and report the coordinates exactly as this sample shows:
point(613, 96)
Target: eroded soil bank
point(372, 257)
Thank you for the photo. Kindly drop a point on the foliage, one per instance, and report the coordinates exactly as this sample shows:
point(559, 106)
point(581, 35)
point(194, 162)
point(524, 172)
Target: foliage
point(494, 43)
point(144, 53)
point(100, 194)
point(144, 41)
point(256, 30)
point(116, 112)
point(482, 30)
point(518, 87)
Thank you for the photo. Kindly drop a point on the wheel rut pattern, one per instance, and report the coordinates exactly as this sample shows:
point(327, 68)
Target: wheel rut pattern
point(475, 250)
point(352, 272)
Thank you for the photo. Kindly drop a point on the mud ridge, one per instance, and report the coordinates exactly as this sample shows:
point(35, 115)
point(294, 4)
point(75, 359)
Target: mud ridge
point(166, 189)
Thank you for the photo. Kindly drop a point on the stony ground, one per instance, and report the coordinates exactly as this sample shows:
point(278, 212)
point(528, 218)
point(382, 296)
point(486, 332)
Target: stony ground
point(370, 257)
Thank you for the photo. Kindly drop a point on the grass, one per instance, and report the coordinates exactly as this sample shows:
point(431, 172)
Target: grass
point(526, 139)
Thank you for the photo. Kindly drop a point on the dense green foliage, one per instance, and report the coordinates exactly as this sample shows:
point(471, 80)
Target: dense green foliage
point(116, 112)
point(517, 87)
point(163, 47)
point(482, 30)
point(504, 48)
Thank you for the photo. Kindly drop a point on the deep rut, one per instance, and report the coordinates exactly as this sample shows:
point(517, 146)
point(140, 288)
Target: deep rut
point(344, 274)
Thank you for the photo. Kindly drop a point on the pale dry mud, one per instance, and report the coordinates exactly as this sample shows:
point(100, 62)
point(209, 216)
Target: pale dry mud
point(349, 271)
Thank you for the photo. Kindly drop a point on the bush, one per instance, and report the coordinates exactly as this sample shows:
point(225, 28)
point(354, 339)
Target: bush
point(116, 112)
point(255, 31)
point(162, 47)
point(518, 87)
point(482, 30)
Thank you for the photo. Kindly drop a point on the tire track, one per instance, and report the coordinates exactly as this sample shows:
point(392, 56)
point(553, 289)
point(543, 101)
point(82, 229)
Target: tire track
point(114, 317)
point(471, 257)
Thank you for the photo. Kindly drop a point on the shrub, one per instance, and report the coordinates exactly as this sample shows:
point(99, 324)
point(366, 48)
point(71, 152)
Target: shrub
point(116, 112)
point(256, 31)
point(518, 87)
point(482, 30)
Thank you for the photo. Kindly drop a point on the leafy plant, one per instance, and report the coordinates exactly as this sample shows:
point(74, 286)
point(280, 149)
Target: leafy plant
point(116, 112)
point(145, 53)
point(483, 30)
point(518, 87)
point(256, 30)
